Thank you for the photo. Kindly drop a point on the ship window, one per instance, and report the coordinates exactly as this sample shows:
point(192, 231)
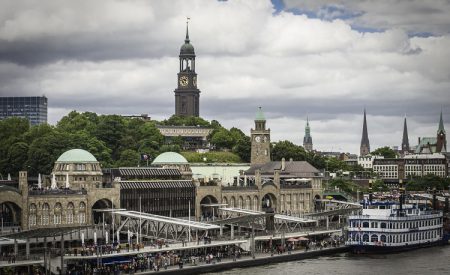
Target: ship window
point(383, 225)
point(374, 238)
point(374, 225)
point(366, 224)
point(383, 238)
point(365, 237)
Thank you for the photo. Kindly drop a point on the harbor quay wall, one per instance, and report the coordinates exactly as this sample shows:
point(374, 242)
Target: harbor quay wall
point(206, 268)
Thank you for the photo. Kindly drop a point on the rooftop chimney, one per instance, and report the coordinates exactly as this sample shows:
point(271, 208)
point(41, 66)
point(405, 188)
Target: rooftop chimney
point(283, 164)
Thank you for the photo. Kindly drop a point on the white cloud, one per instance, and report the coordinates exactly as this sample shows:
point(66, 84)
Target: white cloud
point(124, 59)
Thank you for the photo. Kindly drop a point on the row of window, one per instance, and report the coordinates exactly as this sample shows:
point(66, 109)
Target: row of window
point(57, 218)
point(78, 167)
point(385, 168)
point(395, 225)
point(425, 167)
point(396, 238)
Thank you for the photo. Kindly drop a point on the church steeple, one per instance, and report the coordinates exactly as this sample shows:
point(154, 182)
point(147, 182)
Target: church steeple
point(441, 144)
point(307, 139)
point(405, 139)
point(187, 95)
point(365, 144)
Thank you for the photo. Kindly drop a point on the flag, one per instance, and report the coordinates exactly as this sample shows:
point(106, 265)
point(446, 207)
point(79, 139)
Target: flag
point(144, 157)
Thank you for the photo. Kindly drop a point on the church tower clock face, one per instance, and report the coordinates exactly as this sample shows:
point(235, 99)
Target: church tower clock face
point(184, 81)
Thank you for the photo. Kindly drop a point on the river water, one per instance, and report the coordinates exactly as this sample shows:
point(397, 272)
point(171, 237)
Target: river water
point(426, 261)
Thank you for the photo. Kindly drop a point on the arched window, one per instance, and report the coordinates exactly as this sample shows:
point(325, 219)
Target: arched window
point(45, 214)
point(32, 215)
point(248, 203)
point(383, 225)
point(383, 238)
point(225, 201)
point(365, 224)
point(365, 237)
point(240, 202)
point(374, 238)
point(82, 213)
point(255, 203)
point(69, 213)
point(57, 215)
point(232, 202)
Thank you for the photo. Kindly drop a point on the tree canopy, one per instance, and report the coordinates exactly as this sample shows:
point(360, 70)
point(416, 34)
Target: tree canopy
point(386, 152)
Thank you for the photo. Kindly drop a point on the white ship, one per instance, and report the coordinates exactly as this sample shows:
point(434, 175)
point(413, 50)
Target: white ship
point(390, 227)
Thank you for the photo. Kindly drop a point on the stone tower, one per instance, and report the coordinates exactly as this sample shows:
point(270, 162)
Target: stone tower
point(260, 153)
point(365, 145)
point(441, 144)
point(307, 139)
point(405, 139)
point(187, 95)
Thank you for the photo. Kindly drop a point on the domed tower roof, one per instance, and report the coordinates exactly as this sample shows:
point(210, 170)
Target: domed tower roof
point(169, 158)
point(76, 156)
point(187, 49)
point(260, 115)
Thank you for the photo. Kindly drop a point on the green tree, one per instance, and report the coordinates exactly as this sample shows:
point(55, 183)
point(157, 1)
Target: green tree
point(74, 122)
point(17, 157)
point(111, 129)
point(286, 149)
point(128, 158)
point(243, 148)
point(379, 186)
point(386, 152)
point(222, 139)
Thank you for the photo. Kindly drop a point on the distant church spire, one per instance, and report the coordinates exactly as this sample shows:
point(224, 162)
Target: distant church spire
point(365, 145)
point(441, 144)
point(307, 139)
point(405, 140)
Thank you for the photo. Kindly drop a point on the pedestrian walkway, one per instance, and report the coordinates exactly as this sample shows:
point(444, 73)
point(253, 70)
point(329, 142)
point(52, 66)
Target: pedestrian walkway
point(232, 262)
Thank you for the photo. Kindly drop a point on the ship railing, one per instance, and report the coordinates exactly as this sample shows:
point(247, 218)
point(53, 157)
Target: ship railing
point(396, 218)
point(392, 230)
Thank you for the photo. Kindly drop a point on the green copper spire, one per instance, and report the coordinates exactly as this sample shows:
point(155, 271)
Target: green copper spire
point(441, 125)
point(307, 128)
point(259, 114)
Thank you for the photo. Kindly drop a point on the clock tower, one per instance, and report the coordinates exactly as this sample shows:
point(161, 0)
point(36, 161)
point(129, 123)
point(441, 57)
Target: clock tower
point(260, 153)
point(187, 95)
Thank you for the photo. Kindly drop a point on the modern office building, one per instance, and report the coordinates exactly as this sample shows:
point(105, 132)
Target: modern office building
point(34, 108)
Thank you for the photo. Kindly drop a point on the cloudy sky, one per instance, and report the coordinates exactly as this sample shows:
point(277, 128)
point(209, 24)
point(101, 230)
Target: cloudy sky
point(322, 59)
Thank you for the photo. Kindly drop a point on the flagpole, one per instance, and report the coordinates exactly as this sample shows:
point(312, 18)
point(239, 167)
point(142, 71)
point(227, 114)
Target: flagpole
point(189, 221)
point(140, 223)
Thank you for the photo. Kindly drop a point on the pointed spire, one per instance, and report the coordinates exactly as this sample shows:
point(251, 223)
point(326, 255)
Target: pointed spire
point(307, 139)
point(441, 124)
point(405, 139)
point(365, 144)
point(187, 30)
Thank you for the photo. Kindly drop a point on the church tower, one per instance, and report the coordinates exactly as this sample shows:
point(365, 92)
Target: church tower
point(441, 144)
point(405, 139)
point(187, 95)
point(260, 152)
point(365, 145)
point(307, 139)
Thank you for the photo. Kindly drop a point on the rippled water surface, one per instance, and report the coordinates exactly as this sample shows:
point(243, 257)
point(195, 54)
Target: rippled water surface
point(427, 261)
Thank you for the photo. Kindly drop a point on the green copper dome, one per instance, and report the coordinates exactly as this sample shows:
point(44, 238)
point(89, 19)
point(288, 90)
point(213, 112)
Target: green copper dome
point(259, 114)
point(76, 156)
point(169, 158)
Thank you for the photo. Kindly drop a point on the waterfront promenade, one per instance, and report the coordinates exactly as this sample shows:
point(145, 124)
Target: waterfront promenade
point(248, 261)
